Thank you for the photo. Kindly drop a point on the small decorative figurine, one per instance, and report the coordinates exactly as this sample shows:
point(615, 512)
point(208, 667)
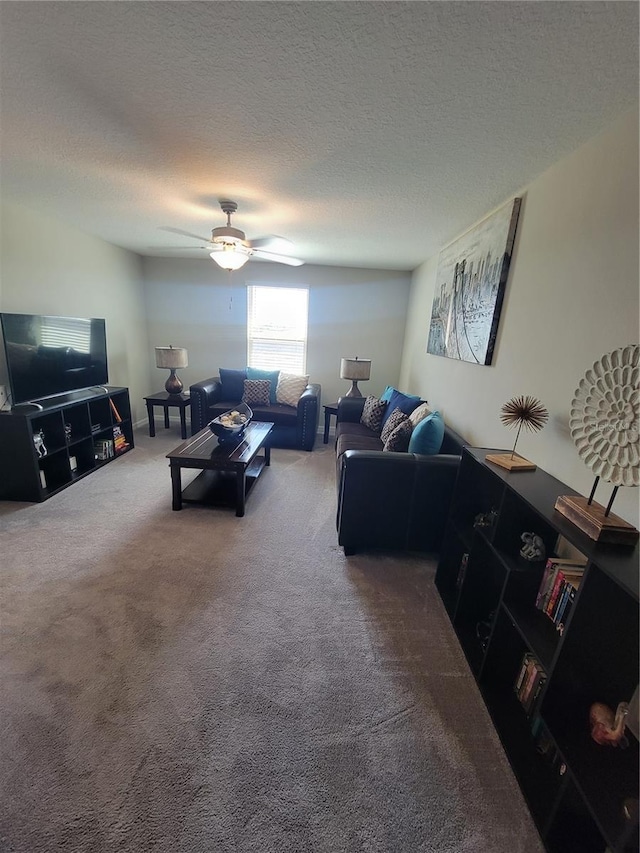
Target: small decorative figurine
point(533, 548)
point(38, 441)
point(485, 519)
point(607, 728)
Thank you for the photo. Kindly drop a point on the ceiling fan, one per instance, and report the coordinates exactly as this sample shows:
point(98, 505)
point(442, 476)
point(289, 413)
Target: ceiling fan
point(231, 249)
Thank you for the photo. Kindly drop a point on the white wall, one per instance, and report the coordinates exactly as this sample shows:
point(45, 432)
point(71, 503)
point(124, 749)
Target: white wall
point(49, 267)
point(572, 296)
point(194, 304)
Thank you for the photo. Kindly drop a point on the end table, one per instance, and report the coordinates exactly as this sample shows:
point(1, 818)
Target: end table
point(329, 409)
point(167, 401)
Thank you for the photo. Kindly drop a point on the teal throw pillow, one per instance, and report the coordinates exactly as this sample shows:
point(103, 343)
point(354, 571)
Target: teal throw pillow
point(426, 438)
point(271, 375)
point(386, 394)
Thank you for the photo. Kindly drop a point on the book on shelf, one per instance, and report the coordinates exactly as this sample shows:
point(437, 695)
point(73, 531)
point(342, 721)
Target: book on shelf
point(119, 441)
point(560, 581)
point(103, 449)
point(545, 745)
point(462, 570)
point(529, 682)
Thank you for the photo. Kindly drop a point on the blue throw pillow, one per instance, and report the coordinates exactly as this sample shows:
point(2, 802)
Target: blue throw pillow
point(427, 436)
point(232, 383)
point(271, 375)
point(405, 402)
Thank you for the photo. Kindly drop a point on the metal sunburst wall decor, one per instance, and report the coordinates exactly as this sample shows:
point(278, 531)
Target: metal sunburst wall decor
point(527, 412)
point(604, 421)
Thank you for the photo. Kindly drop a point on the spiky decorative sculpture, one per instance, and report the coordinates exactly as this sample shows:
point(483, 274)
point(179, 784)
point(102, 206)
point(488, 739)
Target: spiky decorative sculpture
point(524, 412)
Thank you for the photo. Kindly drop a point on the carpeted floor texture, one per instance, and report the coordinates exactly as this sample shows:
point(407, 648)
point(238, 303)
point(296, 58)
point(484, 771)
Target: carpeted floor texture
point(192, 682)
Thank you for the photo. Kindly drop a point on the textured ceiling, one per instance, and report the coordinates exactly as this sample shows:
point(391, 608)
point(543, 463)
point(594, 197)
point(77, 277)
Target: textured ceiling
point(368, 133)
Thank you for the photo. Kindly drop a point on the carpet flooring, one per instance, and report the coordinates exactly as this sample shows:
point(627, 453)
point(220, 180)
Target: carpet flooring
point(192, 682)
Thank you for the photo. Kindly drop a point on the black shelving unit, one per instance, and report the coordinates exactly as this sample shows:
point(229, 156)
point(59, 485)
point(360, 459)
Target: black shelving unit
point(72, 425)
point(582, 796)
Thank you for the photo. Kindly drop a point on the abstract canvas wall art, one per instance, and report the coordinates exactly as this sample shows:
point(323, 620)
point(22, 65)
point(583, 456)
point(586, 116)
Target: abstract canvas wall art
point(470, 283)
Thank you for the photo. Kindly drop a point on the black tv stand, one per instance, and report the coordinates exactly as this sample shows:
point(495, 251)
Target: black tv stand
point(48, 444)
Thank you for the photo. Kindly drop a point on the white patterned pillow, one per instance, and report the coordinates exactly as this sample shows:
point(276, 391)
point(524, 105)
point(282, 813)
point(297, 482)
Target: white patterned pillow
point(419, 414)
point(373, 413)
point(395, 419)
point(290, 388)
point(256, 392)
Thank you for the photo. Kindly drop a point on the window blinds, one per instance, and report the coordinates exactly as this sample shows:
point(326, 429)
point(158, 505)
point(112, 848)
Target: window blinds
point(277, 328)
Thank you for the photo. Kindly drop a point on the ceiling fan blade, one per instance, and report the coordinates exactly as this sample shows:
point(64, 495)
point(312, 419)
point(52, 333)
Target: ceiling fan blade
point(176, 248)
point(278, 259)
point(185, 233)
point(272, 243)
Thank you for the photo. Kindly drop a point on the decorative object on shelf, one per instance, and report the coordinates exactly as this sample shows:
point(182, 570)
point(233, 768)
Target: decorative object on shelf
point(116, 413)
point(607, 728)
point(483, 630)
point(229, 427)
point(524, 412)
point(485, 519)
point(356, 369)
point(533, 548)
point(604, 419)
point(38, 442)
point(633, 717)
point(172, 358)
point(67, 433)
point(470, 283)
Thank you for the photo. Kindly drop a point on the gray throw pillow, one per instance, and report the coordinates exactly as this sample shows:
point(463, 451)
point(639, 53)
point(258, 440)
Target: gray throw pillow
point(398, 441)
point(372, 413)
point(256, 392)
point(395, 419)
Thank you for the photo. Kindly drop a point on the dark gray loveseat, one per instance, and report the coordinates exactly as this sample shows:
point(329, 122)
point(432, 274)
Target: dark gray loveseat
point(386, 500)
point(293, 426)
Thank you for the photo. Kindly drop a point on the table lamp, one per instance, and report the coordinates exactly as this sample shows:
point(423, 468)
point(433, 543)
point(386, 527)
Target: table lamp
point(355, 369)
point(172, 358)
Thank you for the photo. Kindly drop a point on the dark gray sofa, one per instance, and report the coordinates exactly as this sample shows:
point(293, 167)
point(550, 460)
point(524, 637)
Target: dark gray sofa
point(295, 427)
point(386, 500)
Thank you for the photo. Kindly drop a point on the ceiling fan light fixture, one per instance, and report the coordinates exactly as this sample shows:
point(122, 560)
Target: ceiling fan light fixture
point(231, 257)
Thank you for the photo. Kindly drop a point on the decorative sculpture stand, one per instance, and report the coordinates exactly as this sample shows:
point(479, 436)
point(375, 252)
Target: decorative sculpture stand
point(521, 412)
point(604, 428)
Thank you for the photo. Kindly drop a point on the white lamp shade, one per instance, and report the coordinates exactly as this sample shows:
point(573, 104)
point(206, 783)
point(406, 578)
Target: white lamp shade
point(231, 257)
point(355, 368)
point(171, 357)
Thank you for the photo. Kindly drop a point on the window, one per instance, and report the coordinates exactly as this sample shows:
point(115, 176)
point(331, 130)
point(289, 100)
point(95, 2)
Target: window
point(277, 328)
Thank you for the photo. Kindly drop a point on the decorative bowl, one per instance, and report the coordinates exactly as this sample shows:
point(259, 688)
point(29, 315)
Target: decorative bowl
point(229, 427)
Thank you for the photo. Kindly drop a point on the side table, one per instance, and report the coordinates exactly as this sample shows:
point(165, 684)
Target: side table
point(167, 401)
point(329, 409)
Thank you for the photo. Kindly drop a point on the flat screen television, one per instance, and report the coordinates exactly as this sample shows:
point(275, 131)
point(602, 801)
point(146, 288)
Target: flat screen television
point(52, 355)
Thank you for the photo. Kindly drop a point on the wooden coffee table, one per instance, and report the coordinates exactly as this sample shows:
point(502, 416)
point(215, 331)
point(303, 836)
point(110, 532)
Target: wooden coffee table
point(228, 472)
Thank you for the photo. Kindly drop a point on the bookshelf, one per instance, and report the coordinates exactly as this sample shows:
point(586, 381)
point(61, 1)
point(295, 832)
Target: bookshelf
point(81, 431)
point(582, 796)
